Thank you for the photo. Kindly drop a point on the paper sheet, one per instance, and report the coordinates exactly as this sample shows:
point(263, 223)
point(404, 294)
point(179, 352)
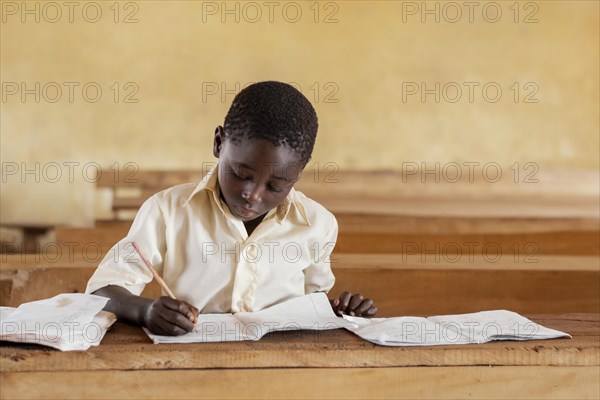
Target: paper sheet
point(480, 327)
point(72, 321)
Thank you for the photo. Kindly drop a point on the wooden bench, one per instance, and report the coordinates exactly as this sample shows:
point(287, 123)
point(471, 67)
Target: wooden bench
point(386, 212)
point(304, 364)
point(401, 284)
point(388, 234)
point(25, 238)
point(556, 193)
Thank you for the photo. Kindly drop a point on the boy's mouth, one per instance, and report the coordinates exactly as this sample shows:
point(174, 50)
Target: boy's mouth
point(246, 212)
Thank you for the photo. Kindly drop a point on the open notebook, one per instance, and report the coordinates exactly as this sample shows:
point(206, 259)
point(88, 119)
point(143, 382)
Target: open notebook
point(71, 321)
point(311, 311)
point(480, 327)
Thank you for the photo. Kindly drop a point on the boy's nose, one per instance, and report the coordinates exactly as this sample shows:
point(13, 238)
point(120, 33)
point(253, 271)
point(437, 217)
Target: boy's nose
point(252, 195)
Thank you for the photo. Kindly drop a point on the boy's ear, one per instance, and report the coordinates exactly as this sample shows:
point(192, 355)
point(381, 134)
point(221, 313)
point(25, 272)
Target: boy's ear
point(218, 141)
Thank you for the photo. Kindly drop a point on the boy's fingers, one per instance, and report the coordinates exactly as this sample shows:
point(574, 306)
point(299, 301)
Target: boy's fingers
point(363, 307)
point(334, 305)
point(355, 302)
point(371, 312)
point(344, 300)
point(179, 306)
point(192, 308)
point(175, 330)
point(194, 311)
point(164, 327)
point(185, 310)
point(175, 318)
point(170, 303)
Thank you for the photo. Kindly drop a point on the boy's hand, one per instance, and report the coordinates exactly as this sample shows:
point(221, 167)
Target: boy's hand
point(166, 316)
point(353, 304)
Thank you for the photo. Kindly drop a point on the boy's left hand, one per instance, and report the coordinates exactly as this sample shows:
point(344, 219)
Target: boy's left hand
point(353, 304)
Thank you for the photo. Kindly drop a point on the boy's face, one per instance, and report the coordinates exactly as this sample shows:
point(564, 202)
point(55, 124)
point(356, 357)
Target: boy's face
point(254, 176)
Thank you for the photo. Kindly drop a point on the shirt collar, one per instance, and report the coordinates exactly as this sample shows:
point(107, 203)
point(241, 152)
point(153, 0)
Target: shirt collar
point(292, 203)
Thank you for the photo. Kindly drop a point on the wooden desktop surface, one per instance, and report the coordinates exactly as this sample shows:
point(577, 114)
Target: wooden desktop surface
point(318, 364)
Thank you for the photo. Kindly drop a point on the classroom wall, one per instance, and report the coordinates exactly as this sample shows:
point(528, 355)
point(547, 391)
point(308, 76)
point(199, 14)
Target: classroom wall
point(392, 82)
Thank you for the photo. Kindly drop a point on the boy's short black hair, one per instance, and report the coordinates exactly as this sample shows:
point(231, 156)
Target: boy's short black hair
point(276, 112)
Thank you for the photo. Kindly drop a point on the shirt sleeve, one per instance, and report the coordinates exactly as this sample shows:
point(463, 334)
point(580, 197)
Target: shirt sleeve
point(318, 277)
point(122, 266)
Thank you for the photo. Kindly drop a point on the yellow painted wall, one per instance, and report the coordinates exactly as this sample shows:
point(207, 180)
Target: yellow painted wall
point(356, 60)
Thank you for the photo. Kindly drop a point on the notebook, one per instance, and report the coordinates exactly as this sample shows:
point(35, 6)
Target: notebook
point(311, 312)
point(71, 321)
point(480, 327)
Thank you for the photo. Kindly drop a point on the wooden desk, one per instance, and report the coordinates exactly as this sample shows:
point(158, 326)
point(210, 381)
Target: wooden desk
point(301, 364)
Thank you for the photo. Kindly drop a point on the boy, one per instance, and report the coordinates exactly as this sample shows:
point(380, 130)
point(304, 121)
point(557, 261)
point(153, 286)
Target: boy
point(240, 240)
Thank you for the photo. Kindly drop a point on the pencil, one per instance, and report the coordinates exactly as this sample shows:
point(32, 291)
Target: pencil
point(160, 281)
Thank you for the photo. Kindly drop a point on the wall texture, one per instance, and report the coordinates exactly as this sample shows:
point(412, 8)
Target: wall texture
point(110, 83)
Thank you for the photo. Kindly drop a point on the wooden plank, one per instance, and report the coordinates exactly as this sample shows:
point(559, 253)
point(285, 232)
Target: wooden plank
point(555, 183)
point(566, 200)
point(461, 291)
point(407, 285)
point(516, 214)
point(346, 383)
point(357, 238)
point(400, 284)
point(473, 261)
point(460, 206)
point(104, 234)
point(520, 244)
point(561, 182)
point(367, 223)
point(465, 224)
point(126, 347)
point(154, 179)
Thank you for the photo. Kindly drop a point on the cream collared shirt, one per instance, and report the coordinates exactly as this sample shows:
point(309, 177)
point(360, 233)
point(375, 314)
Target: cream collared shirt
point(206, 257)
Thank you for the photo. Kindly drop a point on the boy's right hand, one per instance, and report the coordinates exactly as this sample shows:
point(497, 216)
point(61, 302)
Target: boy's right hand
point(170, 317)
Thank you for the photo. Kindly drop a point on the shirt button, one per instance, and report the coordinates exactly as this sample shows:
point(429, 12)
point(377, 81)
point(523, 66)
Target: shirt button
point(252, 250)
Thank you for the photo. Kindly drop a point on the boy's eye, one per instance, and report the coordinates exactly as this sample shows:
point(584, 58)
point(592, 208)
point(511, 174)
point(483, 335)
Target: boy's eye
point(239, 176)
point(274, 189)
point(243, 177)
